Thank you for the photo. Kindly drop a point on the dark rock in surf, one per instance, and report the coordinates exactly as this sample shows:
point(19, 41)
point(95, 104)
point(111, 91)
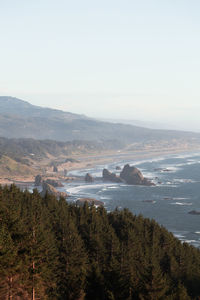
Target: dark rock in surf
point(132, 175)
point(54, 183)
point(38, 180)
point(194, 212)
point(89, 178)
point(55, 169)
point(108, 176)
point(90, 201)
point(47, 188)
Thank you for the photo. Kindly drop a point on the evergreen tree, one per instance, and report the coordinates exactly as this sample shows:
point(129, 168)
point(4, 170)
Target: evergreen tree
point(72, 256)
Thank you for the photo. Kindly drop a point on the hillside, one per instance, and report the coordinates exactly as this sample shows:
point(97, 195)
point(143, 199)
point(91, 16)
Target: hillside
point(115, 255)
point(19, 119)
point(23, 149)
point(10, 167)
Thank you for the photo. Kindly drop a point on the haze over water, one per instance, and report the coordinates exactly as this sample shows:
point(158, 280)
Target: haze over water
point(176, 193)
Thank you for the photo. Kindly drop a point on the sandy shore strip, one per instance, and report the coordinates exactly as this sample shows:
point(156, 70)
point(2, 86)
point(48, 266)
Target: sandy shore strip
point(91, 160)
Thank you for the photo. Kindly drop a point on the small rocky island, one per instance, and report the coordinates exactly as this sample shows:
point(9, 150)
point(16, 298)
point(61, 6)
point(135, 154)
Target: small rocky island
point(90, 202)
point(48, 188)
point(89, 178)
point(108, 176)
point(129, 174)
point(194, 212)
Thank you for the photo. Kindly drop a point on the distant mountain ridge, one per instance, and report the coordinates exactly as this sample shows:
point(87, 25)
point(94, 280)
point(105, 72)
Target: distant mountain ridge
point(20, 119)
point(14, 106)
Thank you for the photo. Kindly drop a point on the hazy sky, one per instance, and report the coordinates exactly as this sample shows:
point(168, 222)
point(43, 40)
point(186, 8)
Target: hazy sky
point(113, 59)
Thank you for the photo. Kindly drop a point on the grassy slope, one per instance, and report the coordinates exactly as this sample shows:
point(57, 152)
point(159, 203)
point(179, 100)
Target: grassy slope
point(10, 167)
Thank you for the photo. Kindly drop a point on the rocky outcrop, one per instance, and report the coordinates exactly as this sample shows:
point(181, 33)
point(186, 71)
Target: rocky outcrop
point(194, 212)
point(129, 175)
point(108, 176)
point(89, 178)
point(132, 175)
point(55, 169)
point(90, 202)
point(72, 160)
point(54, 183)
point(38, 180)
point(118, 168)
point(47, 188)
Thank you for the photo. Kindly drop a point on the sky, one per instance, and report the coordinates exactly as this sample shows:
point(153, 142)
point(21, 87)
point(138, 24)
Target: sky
point(135, 60)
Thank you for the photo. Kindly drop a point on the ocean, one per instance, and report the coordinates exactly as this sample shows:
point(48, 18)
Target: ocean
point(176, 193)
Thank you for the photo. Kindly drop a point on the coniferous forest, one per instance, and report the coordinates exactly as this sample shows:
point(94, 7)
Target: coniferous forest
point(50, 249)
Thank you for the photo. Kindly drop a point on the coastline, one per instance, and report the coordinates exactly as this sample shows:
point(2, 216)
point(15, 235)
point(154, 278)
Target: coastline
point(91, 160)
point(94, 160)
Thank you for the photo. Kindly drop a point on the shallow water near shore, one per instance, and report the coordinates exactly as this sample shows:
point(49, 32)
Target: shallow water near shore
point(176, 193)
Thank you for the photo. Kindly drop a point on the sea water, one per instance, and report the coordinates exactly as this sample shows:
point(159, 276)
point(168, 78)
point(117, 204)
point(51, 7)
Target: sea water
point(175, 194)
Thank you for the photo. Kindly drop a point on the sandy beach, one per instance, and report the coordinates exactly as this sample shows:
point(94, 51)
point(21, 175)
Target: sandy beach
point(90, 160)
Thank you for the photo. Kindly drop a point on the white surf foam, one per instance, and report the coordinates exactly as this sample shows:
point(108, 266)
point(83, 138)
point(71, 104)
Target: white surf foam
point(113, 187)
point(179, 236)
point(77, 189)
point(191, 241)
point(149, 160)
point(182, 180)
point(186, 155)
point(181, 203)
point(180, 198)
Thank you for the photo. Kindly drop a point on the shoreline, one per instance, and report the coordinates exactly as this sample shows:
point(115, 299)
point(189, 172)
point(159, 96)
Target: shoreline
point(94, 159)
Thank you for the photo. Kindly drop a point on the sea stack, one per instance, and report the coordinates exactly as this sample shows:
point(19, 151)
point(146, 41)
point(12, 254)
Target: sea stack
point(132, 175)
point(89, 178)
point(108, 176)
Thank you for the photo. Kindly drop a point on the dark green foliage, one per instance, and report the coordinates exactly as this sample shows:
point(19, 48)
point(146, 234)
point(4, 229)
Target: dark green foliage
point(50, 249)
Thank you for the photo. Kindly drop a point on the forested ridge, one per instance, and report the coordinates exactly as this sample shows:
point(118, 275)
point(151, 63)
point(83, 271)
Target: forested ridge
point(50, 249)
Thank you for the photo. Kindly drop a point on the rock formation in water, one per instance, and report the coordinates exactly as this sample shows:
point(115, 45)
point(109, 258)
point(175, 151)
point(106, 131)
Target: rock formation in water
point(47, 188)
point(132, 175)
point(108, 176)
point(194, 212)
point(54, 183)
point(89, 178)
point(55, 169)
point(38, 180)
point(90, 202)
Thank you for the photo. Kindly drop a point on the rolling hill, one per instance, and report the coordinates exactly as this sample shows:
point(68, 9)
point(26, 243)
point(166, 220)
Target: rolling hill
point(20, 119)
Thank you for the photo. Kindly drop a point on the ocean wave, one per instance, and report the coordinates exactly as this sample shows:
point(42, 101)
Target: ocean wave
point(191, 242)
point(169, 168)
point(179, 236)
point(113, 187)
point(183, 180)
point(149, 201)
point(104, 198)
point(187, 155)
point(168, 183)
point(79, 188)
point(181, 203)
point(180, 198)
